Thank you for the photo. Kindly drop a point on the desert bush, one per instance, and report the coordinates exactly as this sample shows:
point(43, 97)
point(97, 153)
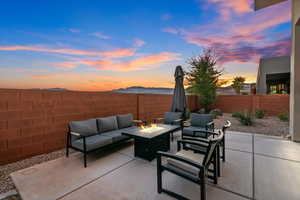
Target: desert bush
point(283, 116)
point(260, 113)
point(236, 114)
point(246, 119)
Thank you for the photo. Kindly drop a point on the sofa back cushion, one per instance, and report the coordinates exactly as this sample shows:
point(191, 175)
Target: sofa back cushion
point(125, 121)
point(106, 124)
point(169, 117)
point(200, 120)
point(84, 127)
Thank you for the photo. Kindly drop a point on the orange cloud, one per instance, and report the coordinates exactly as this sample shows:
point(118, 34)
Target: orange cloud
point(146, 62)
point(116, 53)
point(227, 7)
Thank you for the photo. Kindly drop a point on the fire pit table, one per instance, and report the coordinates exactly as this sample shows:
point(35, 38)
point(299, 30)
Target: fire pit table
point(149, 140)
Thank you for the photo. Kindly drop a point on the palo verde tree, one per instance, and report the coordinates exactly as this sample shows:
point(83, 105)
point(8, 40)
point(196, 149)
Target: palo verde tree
point(238, 84)
point(203, 77)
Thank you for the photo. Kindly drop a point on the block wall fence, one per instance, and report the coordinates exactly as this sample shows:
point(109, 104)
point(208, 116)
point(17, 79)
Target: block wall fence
point(33, 122)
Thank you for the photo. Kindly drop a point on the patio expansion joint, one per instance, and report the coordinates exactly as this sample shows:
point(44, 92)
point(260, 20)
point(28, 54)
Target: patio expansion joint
point(230, 191)
point(253, 168)
point(95, 179)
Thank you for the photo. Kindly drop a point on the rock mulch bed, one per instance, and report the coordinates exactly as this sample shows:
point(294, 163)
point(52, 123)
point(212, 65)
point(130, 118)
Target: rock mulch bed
point(6, 183)
point(269, 125)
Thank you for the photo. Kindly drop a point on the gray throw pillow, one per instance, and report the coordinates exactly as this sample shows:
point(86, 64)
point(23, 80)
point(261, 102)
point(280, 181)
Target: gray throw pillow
point(125, 121)
point(106, 124)
point(169, 117)
point(200, 120)
point(84, 127)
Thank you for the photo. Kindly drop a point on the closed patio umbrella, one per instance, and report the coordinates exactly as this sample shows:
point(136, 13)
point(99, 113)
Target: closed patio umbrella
point(179, 101)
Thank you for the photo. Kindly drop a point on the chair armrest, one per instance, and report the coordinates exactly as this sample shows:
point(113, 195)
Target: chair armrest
point(198, 139)
point(139, 121)
point(180, 158)
point(76, 134)
point(210, 125)
point(206, 131)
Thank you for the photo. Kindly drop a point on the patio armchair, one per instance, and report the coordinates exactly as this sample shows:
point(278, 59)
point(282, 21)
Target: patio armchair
point(172, 118)
point(198, 124)
point(211, 134)
point(189, 165)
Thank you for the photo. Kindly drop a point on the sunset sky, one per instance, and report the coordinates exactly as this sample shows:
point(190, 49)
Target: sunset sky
point(103, 45)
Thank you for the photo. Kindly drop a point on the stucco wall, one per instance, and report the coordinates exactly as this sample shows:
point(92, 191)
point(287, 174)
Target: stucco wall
point(274, 65)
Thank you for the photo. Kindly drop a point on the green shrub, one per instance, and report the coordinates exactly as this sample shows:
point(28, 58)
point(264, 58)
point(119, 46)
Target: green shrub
point(283, 116)
point(245, 93)
point(260, 113)
point(236, 114)
point(246, 119)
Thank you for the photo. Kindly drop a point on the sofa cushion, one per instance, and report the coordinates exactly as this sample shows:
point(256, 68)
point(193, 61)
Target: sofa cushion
point(125, 121)
point(169, 117)
point(107, 124)
point(200, 120)
point(189, 131)
point(92, 142)
point(84, 127)
point(116, 135)
point(196, 157)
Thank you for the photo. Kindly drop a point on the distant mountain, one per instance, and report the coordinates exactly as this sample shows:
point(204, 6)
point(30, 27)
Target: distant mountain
point(53, 89)
point(145, 90)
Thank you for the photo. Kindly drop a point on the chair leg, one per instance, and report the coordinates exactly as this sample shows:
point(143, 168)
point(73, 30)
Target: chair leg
point(202, 185)
point(159, 175)
point(223, 149)
point(215, 168)
point(84, 151)
point(218, 161)
point(84, 157)
point(67, 145)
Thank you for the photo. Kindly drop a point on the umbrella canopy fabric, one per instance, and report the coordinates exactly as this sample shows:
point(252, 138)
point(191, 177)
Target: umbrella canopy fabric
point(179, 100)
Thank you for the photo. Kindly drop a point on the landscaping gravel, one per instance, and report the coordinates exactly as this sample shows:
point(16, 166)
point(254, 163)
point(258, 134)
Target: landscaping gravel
point(269, 125)
point(6, 183)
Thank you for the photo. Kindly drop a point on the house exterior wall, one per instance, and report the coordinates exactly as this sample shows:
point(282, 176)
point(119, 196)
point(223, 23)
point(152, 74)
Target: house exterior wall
point(33, 122)
point(295, 72)
point(273, 65)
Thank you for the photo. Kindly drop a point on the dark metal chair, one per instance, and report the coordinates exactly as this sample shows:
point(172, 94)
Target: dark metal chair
point(172, 118)
point(189, 165)
point(198, 123)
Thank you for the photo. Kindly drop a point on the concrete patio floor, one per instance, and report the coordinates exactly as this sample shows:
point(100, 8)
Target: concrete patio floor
point(257, 167)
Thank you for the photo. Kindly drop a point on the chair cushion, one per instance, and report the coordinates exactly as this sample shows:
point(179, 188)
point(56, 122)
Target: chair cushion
point(169, 117)
point(125, 121)
point(92, 142)
point(196, 157)
point(200, 120)
point(189, 131)
point(107, 124)
point(116, 135)
point(85, 127)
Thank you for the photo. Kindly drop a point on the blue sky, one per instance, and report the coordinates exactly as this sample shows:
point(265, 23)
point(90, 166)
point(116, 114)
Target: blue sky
point(103, 45)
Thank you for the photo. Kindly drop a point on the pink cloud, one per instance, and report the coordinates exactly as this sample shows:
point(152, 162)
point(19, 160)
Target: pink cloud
point(246, 37)
point(166, 17)
point(116, 53)
point(171, 30)
point(72, 30)
point(228, 7)
point(100, 35)
point(138, 42)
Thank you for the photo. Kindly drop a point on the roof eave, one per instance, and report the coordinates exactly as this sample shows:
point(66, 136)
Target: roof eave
point(260, 4)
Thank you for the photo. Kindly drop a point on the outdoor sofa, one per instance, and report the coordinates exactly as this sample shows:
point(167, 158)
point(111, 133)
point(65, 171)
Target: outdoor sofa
point(93, 134)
